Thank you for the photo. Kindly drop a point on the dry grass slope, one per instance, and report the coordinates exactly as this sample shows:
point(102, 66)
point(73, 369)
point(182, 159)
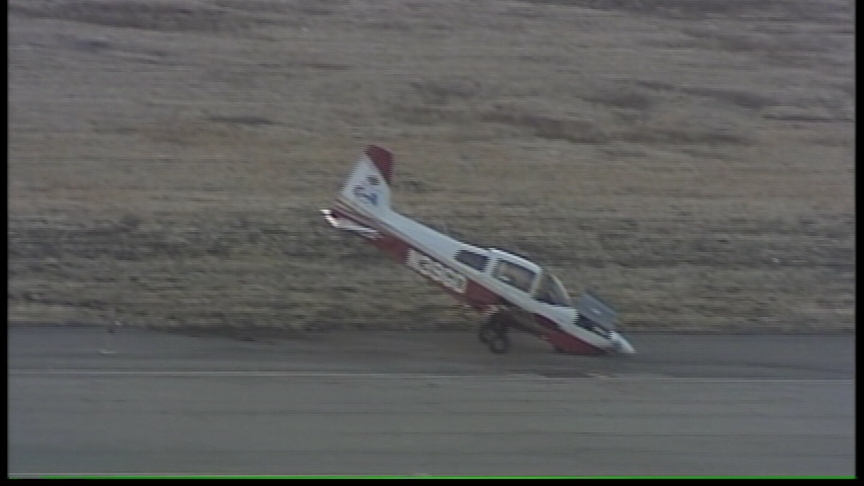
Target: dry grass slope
point(690, 160)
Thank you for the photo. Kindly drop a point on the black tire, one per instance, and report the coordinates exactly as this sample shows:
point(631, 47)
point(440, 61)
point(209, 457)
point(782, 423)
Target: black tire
point(489, 328)
point(486, 333)
point(500, 343)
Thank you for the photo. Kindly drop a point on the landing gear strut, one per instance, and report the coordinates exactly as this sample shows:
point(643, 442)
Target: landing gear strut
point(493, 333)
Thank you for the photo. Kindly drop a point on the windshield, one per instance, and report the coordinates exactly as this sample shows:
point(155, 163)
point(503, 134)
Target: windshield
point(551, 291)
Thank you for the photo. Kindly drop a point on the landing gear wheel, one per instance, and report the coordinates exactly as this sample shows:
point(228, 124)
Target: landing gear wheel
point(487, 333)
point(500, 343)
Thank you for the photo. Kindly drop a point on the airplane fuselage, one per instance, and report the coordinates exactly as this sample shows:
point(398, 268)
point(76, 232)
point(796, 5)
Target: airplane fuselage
point(491, 281)
point(433, 255)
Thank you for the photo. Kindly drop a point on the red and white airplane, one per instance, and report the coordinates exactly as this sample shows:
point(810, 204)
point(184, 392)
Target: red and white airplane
point(508, 290)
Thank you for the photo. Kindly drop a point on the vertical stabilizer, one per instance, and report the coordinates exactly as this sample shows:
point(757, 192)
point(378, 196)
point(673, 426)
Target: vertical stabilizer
point(368, 186)
point(383, 160)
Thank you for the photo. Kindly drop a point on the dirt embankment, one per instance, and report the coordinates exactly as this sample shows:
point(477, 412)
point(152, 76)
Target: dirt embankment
point(692, 161)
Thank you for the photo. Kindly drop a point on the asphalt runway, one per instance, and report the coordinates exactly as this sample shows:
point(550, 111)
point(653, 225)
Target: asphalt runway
point(414, 404)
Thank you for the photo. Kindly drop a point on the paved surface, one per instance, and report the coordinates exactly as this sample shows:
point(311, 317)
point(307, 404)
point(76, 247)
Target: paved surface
point(426, 404)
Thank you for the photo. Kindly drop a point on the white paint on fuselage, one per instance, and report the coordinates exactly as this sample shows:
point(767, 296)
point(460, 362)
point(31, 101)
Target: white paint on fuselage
point(443, 248)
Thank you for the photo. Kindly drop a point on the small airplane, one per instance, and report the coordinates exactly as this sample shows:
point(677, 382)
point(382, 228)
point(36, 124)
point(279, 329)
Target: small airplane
point(509, 291)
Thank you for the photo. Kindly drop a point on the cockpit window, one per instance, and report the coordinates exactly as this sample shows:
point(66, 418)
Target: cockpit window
point(473, 260)
point(551, 291)
point(514, 275)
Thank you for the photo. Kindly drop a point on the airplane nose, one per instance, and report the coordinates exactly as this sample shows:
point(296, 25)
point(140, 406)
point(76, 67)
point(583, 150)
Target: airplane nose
point(622, 346)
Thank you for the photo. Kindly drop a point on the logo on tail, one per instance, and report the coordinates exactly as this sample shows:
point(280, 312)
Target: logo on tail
point(366, 194)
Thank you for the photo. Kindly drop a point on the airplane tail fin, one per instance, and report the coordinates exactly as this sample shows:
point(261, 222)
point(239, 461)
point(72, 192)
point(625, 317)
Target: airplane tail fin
point(368, 187)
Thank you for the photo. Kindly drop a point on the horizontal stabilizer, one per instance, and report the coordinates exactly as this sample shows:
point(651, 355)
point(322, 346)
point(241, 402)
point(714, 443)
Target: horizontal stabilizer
point(348, 225)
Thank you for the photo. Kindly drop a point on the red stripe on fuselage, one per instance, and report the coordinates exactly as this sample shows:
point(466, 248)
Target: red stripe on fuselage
point(563, 341)
point(479, 297)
